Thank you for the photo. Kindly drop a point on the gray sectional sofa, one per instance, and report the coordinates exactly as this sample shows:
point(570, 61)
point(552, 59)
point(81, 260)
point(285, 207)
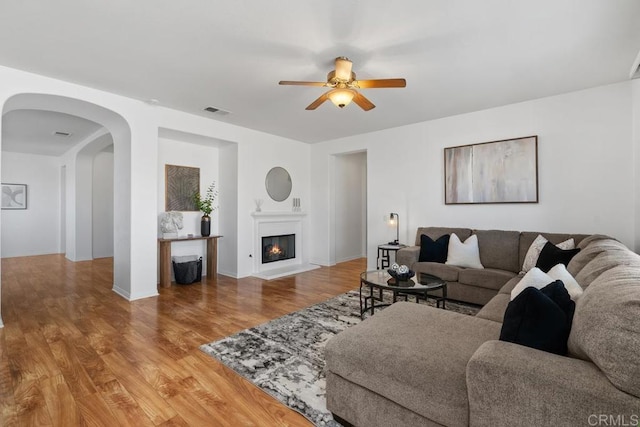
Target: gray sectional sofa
point(415, 365)
point(501, 253)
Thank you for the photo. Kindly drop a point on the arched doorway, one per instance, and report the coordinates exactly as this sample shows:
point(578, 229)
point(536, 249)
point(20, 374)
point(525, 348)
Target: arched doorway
point(115, 125)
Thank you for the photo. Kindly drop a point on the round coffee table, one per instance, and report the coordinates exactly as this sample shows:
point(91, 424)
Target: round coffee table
point(382, 281)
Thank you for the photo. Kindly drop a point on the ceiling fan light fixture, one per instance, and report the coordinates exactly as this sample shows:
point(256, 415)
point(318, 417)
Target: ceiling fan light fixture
point(341, 97)
point(343, 68)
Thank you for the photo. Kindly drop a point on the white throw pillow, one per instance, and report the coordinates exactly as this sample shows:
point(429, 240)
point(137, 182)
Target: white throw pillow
point(534, 277)
point(531, 258)
point(465, 254)
point(559, 272)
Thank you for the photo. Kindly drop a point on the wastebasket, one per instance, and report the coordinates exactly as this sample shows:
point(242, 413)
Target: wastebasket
point(187, 269)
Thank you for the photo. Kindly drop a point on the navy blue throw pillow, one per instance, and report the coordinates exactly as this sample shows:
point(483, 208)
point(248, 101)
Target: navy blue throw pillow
point(540, 319)
point(551, 255)
point(434, 250)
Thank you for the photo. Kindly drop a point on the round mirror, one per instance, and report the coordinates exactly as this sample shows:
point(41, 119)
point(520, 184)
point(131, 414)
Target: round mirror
point(278, 183)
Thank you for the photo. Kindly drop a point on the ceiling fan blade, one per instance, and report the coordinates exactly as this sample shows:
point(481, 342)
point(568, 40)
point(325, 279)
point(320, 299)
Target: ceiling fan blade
point(363, 102)
point(315, 104)
point(293, 83)
point(372, 84)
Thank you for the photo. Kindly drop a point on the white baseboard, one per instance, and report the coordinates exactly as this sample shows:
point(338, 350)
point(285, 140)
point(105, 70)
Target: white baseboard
point(127, 295)
point(349, 258)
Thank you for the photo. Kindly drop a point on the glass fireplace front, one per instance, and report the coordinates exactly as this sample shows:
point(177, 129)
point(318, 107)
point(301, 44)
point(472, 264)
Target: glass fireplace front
point(278, 248)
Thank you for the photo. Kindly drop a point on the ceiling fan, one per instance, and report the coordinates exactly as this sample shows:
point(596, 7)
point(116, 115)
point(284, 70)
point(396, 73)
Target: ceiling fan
point(344, 85)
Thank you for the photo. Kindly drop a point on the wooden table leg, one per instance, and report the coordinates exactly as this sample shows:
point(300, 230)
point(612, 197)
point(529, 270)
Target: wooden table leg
point(165, 264)
point(212, 258)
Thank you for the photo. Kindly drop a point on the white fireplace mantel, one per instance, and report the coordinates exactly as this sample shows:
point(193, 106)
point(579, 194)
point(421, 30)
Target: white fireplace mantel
point(276, 214)
point(269, 223)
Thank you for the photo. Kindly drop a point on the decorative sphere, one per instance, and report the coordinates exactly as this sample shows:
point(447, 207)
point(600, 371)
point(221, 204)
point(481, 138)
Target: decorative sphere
point(395, 266)
point(403, 269)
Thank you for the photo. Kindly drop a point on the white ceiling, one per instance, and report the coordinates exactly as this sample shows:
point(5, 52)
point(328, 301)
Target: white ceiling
point(32, 131)
point(457, 55)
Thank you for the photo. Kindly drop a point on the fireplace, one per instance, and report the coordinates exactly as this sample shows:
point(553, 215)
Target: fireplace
point(292, 259)
point(278, 248)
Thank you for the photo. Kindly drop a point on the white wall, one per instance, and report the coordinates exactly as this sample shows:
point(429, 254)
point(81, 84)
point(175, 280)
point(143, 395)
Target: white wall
point(350, 186)
point(102, 204)
point(586, 170)
point(36, 230)
point(206, 158)
point(254, 162)
point(79, 198)
point(635, 114)
point(228, 212)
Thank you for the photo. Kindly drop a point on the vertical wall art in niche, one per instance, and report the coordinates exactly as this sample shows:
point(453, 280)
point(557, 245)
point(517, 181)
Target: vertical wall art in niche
point(181, 183)
point(492, 172)
point(14, 196)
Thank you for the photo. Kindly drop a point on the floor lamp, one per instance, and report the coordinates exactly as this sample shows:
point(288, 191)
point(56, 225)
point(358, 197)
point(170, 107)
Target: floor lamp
point(397, 221)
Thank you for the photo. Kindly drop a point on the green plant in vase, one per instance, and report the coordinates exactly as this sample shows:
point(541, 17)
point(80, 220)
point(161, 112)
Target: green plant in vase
point(205, 205)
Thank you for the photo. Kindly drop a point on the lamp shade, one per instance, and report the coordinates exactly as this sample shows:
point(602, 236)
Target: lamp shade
point(394, 218)
point(343, 68)
point(341, 97)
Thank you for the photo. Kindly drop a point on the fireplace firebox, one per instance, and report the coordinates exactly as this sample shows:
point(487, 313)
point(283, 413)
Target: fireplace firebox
point(278, 248)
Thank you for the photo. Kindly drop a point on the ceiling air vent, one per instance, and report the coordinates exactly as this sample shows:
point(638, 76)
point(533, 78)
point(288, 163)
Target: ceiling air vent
point(62, 134)
point(217, 111)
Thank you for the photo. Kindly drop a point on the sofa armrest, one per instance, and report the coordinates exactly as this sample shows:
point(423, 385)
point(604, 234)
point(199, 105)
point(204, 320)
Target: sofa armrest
point(509, 384)
point(408, 256)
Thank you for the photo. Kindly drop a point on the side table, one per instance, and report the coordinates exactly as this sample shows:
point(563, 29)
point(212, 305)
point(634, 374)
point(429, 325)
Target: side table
point(165, 256)
point(383, 260)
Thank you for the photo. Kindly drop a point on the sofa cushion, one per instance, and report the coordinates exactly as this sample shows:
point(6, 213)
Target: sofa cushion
point(434, 250)
point(605, 261)
point(415, 356)
point(589, 252)
point(527, 238)
point(508, 287)
point(559, 272)
point(448, 273)
point(592, 238)
point(486, 278)
point(435, 232)
point(534, 278)
point(552, 255)
point(469, 293)
point(606, 326)
point(494, 309)
point(540, 318)
point(533, 253)
point(499, 249)
point(464, 254)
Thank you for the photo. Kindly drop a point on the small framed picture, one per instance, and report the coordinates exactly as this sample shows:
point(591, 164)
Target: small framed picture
point(181, 183)
point(14, 196)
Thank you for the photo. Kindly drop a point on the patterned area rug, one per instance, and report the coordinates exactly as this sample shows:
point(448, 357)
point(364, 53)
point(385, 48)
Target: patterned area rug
point(285, 357)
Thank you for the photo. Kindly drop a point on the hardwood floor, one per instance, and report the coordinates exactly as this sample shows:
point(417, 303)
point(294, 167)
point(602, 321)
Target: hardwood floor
point(73, 352)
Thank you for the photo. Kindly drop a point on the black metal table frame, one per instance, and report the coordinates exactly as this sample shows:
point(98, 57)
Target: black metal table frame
point(384, 258)
point(399, 291)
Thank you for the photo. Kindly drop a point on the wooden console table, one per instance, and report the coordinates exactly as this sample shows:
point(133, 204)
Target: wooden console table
point(165, 256)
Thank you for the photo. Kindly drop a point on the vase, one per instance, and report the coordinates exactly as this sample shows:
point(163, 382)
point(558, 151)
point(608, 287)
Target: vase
point(205, 226)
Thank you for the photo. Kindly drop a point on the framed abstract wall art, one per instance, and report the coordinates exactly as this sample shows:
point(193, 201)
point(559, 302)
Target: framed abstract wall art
point(14, 196)
point(181, 183)
point(492, 172)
